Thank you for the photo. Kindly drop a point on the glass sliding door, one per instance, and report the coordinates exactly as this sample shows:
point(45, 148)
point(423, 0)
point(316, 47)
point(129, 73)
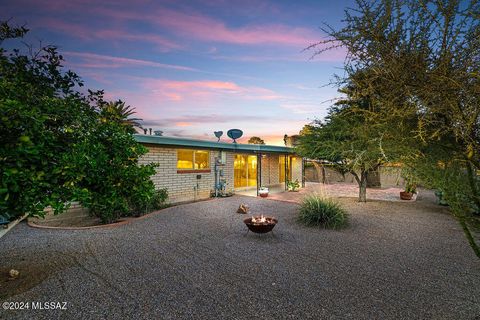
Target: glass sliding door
point(239, 172)
point(252, 171)
point(244, 171)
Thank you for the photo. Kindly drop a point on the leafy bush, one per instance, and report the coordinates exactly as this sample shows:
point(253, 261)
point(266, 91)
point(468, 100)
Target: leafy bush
point(142, 205)
point(159, 199)
point(318, 211)
point(42, 119)
point(293, 185)
point(58, 145)
point(115, 183)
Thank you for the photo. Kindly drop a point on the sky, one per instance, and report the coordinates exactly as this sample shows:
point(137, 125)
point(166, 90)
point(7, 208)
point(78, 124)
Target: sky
point(194, 67)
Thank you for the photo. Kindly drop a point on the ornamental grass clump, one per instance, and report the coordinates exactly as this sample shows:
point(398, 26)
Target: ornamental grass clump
point(325, 212)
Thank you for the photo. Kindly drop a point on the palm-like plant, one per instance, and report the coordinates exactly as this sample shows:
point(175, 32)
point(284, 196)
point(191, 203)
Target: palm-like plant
point(117, 111)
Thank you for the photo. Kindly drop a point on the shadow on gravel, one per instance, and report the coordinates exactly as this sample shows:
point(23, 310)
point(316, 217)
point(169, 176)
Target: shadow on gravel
point(32, 273)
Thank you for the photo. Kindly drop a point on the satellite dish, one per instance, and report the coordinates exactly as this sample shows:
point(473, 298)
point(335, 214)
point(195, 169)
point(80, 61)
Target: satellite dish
point(234, 134)
point(218, 134)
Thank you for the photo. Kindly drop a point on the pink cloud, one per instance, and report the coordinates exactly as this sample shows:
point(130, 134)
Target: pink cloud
point(200, 27)
point(183, 124)
point(77, 30)
point(105, 61)
point(333, 55)
point(205, 28)
point(206, 84)
point(177, 91)
point(187, 25)
point(162, 43)
point(89, 33)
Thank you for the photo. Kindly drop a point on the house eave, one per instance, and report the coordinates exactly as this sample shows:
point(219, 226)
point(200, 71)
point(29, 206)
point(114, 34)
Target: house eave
point(194, 143)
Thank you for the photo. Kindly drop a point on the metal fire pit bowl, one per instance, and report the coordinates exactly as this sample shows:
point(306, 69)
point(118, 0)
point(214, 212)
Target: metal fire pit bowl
point(261, 227)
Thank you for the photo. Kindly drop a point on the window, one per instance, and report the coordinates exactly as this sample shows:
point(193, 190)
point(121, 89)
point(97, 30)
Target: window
point(193, 160)
point(185, 159)
point(202, 159)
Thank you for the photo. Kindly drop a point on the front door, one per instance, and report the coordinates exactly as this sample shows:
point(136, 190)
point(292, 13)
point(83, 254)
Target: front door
point(244, 171)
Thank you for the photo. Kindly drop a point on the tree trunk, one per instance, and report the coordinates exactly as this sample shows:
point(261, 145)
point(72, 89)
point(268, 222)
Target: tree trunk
point(362, 185)
point(362, 195)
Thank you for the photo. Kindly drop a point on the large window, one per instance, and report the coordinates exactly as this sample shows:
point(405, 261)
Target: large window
point(193, 159)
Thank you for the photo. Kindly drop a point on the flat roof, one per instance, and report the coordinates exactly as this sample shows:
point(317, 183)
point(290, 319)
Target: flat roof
point(193, 143)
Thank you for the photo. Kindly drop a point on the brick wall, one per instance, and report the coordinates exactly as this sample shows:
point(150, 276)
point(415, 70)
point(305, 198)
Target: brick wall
point(389, 176)
point(185, 186)
point(270, 170)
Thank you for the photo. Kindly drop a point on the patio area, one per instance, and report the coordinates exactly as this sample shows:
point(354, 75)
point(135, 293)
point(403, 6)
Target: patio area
point(337, 190)
point(395, 261)
point(252, 192)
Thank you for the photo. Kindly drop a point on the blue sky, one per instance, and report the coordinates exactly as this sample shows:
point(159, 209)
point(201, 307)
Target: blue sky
point(193, 67)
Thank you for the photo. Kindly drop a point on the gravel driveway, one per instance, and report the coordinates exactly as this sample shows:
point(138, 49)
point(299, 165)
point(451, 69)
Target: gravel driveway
point(194, 261)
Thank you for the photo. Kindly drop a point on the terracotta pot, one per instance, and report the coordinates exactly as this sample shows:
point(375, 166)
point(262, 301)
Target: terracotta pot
point(406, 195)
point(263, 195)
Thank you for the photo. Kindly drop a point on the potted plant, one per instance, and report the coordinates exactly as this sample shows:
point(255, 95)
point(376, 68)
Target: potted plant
point(263, 192)
point(293, 185)
point(410, 189)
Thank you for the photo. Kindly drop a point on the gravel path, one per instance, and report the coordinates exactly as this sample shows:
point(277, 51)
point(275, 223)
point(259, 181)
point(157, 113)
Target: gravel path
point(396, 261)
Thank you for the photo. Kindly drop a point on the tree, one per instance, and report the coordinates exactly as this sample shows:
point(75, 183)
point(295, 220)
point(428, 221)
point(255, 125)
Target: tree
point(424, 63)
point(423, 58)
point(9, 32)
point(347, 140)
point(42, 119)
point(58, 145)
point(256, 140)
point(113, 183)
point(117, 111)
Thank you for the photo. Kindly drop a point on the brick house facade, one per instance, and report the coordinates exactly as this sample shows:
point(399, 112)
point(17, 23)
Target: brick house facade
point(234, 166)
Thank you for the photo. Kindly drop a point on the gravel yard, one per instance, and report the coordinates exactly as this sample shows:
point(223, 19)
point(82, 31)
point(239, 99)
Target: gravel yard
point(195, 261)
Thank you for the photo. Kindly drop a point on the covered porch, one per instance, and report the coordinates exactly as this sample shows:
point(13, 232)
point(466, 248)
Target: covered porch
point(272, 170)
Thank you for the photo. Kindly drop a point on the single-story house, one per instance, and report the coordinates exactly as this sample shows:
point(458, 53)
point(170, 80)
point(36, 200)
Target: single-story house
point(194, 169)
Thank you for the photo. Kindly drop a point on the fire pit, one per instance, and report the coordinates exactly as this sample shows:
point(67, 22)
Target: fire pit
point(260, 224)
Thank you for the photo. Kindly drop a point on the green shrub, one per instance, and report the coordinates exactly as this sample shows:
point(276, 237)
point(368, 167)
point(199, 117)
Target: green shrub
point(59, 145)
point(293, 185)
point(154, 201)
point(42, 119)
point(318, 211)
point(159, 199)
point(116, 183)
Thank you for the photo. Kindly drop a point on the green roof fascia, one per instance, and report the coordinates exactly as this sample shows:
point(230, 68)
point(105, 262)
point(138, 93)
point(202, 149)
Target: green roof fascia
point(193, 143)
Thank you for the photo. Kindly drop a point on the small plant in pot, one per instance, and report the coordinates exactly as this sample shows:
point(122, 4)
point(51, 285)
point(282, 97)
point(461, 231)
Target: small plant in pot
point(293, 185)
point(411, 180)
point(410, 190)
point(263, 192)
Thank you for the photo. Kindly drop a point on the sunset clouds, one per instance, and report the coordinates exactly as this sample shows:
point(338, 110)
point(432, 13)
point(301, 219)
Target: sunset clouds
point(191, 67)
